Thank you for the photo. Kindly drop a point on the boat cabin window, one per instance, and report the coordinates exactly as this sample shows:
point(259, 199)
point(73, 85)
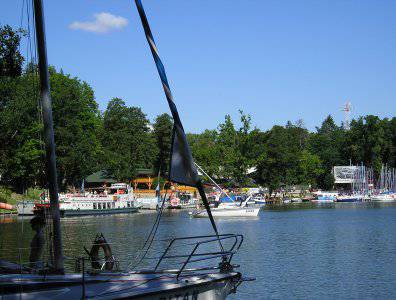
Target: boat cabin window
point(99, 206)
point(129, 204)
point(94, 206)
point(108, 205)
point(113, 204)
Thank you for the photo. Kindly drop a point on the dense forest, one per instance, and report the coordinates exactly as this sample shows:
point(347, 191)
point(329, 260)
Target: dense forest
point(122, 139)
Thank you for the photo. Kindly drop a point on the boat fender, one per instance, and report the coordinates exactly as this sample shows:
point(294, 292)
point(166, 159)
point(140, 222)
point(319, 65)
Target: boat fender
point(101, 243)
point(6, 206)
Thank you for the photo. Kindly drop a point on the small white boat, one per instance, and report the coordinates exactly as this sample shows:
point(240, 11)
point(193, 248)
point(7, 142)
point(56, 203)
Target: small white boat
point(25, 207)
point(260, 202)
point(325, 197)
point(384, 197)
point(229, 209)
point(296, 200)
point(228, 212)
point(258, 199)
point(349, 198)
point(147, 203)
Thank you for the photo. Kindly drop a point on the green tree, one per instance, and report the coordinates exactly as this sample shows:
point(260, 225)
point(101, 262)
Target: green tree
point(234, 147)
point(227, 141)
point(206, 151)
point(328, 144)
point(371, 141)
point(163, 134)
point(128, 143)
point(280, 160)
point(389, 148)
point(309, 168)
point(76, 119)
point(11, 60)
point(21, 147)
point(76, 123)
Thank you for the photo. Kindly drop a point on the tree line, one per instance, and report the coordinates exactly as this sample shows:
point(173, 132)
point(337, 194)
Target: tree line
point(122, 139)
point(290, 154)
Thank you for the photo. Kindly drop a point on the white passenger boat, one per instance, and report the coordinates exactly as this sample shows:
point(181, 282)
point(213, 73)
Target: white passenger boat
point(25, 207)
point(118, 198)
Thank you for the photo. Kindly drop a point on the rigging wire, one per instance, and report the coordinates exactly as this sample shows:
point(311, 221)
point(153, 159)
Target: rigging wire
point(22, 223)
point(151, 235)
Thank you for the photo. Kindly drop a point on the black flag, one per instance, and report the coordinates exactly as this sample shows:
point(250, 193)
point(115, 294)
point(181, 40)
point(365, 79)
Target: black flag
point(182, 168)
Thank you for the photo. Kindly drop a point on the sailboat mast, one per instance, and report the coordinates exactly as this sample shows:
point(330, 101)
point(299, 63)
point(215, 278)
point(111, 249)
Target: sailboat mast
point(46, 104)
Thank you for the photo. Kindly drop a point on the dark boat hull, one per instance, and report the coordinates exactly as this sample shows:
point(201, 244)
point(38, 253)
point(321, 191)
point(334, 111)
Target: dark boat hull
point(349, 200)
point(89, 212)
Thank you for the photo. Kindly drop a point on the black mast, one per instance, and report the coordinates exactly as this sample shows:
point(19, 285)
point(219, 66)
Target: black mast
point(46, 104)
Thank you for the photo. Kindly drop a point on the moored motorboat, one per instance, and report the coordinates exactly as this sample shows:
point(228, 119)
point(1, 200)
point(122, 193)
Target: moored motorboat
point(384, 197)
point(25, 207)
point(229, 209)
point(228, 212)
point(324, 197)
point(259, 199)
point(349, 198)
point(150, 203)
point(296, 200)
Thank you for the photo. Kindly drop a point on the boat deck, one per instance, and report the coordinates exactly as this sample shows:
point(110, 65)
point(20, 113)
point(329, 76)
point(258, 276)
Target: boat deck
point(118, 285)
point(191, 275)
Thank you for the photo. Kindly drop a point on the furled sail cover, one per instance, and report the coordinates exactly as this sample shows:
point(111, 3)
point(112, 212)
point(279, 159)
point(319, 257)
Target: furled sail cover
point(182, 168)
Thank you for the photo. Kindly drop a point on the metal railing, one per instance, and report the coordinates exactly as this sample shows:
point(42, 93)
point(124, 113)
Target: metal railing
point(230, 245)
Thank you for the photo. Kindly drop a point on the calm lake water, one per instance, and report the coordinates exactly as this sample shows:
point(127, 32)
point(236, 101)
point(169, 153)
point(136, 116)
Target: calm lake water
point(343, 251)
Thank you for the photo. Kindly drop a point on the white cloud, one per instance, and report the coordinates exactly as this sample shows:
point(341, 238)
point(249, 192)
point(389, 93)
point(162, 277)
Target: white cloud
point(103, 23)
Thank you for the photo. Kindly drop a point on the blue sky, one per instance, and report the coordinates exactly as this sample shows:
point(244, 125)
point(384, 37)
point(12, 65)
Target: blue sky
point(276, 60)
